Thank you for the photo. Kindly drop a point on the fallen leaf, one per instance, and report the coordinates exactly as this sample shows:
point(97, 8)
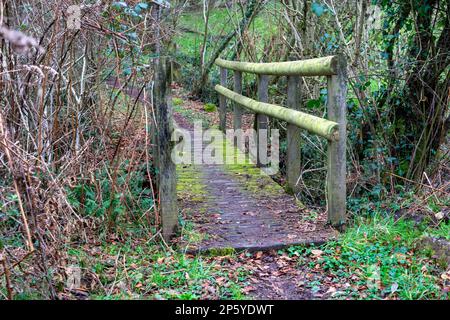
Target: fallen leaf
point(211, 290)
point(220, 280)
point(394, 287)
point(439, 215)
point(286, 257)
point(254, 280)
point(331, 290)
point(247, 289)
point(317, 252)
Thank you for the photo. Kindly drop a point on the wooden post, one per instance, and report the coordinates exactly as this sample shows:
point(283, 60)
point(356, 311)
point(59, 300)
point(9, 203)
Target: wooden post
point(336, 188)
point(223, 102)
point(262, 121)
point(293, 161)
point(167, 174)
point(237, 110)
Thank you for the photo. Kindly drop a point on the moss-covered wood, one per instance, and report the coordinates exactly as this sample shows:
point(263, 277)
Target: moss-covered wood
point(293, 152)
point(237, 110)
point(322, 127)
point(223, 102)
point(167, 170)
point(325, 66)
point(336, 187)
point(262, 123)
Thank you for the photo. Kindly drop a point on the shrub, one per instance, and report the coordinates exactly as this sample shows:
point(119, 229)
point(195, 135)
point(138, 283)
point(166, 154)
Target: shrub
point(210, 107)
point(177, 101)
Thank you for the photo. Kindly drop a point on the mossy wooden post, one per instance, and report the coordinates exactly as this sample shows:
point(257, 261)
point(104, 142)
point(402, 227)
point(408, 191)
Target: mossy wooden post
point(261, 120)
point(293, 161)
point(237, 110)
point(336, 188)
point(223, 102)
point(167, 173)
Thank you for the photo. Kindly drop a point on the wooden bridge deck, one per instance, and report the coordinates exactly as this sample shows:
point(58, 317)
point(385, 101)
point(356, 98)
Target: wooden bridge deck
point(239, 206)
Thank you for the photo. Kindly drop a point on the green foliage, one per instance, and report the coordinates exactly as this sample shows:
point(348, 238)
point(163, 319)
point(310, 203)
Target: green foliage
point(210, 107)
point(221, 22)
point(376, 259)
point(318, 9)
point(96, 200)
point(10, 218)
point(177, 101)
point(133, 58)
point(442, 231)
point(147, 271)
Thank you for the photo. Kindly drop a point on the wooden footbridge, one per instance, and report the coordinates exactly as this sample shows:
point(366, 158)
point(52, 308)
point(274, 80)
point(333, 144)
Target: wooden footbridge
point(236, 204)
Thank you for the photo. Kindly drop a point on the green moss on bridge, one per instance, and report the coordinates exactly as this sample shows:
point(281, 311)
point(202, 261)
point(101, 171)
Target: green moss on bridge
point(190, 186)
point(241, 168)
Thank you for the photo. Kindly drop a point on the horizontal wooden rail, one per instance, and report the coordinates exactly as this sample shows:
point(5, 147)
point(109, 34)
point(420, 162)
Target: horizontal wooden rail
point(326, 66)
point(322, 127)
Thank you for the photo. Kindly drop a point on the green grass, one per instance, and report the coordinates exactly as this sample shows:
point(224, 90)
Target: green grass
point(442, 232)
point(378, 258)
point(221, 22)
point(139, 270)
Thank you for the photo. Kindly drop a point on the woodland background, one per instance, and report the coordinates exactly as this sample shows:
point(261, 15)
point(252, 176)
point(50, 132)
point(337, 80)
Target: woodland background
point(76, 171)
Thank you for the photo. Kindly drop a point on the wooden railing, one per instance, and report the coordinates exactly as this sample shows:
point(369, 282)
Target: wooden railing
point(333, 128)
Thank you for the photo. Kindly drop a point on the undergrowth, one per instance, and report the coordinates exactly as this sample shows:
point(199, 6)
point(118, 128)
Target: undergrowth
point(135, 269)
point(377, 258)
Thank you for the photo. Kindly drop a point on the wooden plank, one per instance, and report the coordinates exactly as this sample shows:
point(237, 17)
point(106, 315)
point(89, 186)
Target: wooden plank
point(325, 66)
point(167, 174)
point(261, 120)
point(293, 156)
point(336, 187)
point(223, 102)
point(237, 110)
